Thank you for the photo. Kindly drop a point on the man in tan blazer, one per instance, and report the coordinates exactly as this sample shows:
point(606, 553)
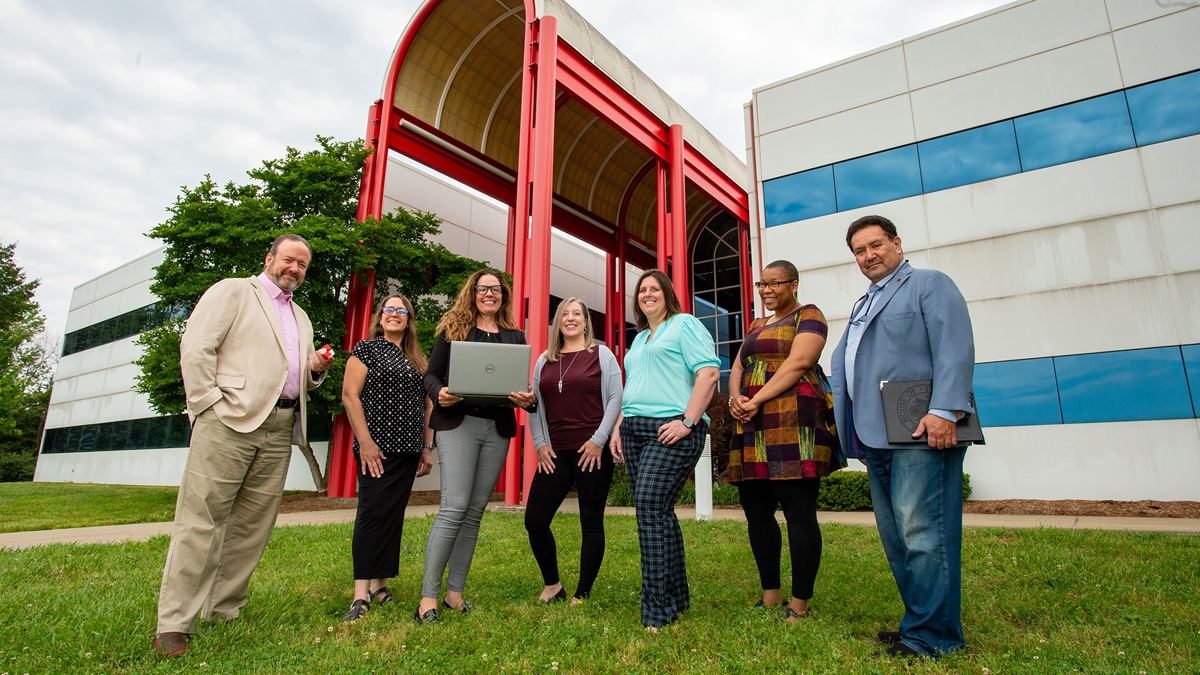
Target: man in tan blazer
point(248, 361)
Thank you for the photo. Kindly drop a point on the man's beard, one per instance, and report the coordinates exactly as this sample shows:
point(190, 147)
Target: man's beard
point(285, 284)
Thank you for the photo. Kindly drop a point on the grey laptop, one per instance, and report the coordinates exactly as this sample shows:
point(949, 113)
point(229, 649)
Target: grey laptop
point(485, 373)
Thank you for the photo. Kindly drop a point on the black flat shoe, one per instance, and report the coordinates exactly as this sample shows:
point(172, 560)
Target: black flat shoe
point(789, 613)
point(382, 595)
point(898, 651)
point(358, 609)
point(560, 596)
point(430, 616)
point(463, 606)
point(888, 637)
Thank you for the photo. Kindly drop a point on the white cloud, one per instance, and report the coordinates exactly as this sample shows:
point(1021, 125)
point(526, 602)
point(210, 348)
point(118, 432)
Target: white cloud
point(109, 107)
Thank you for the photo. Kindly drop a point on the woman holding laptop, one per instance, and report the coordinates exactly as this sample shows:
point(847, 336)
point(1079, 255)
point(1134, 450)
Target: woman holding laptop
point(472, 441)
point(578, 388)
point(671, 373)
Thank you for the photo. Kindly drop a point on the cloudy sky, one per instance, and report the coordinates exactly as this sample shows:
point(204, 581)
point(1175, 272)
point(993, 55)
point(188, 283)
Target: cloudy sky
point(108, 108)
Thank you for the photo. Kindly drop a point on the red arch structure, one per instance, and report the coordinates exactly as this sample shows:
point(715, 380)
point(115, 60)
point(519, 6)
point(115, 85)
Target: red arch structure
point(530, 105)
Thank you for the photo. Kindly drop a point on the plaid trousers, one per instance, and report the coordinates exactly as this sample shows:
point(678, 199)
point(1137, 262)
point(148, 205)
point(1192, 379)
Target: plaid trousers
point(657, 473)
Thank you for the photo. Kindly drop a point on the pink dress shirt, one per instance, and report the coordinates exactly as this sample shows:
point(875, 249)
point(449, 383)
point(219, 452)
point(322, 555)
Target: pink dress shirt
point(291, 334)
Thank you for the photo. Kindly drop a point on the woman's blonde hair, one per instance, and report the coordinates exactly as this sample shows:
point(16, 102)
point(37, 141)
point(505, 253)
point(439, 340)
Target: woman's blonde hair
point(557, 341)
point(408, 343)
point(669, 297)
point(462, 316)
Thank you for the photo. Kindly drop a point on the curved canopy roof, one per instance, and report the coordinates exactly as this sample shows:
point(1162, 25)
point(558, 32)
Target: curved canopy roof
point(461, 75)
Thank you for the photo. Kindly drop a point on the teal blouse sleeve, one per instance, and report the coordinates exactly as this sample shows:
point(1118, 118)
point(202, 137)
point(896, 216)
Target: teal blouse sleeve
point(696, 345)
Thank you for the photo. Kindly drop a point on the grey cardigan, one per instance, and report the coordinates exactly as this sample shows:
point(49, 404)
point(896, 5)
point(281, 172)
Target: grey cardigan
point(610, 391)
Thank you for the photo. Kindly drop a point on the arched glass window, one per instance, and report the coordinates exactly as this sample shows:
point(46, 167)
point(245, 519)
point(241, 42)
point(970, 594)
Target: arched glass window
point(717, 288)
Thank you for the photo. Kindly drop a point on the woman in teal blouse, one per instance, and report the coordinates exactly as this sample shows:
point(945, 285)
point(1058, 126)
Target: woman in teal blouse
point(671, 371)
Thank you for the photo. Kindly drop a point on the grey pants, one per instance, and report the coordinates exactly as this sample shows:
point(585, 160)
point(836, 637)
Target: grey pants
point(471, 457)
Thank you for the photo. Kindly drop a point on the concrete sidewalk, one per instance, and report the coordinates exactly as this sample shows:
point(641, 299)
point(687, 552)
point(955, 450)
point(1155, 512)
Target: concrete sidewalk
point(143, 531)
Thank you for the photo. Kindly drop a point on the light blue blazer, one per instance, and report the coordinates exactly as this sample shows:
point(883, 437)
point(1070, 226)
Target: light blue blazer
point(918, 328)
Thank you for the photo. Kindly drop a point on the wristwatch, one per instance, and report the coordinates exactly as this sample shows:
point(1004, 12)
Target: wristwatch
point(688, 423)
point(430, 446)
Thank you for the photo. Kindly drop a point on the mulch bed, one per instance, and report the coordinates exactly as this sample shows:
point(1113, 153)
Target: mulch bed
point(1146, 508)
point(313, 501)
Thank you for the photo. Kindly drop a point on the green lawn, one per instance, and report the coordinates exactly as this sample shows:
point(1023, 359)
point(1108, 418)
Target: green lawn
point(54, 506)
point(1035, 601)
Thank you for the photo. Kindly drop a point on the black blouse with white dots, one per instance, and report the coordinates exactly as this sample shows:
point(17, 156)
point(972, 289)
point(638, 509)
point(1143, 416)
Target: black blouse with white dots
point(393, 399)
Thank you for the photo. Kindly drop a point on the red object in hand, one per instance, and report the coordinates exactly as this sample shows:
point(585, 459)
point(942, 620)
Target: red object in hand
point(326, 352)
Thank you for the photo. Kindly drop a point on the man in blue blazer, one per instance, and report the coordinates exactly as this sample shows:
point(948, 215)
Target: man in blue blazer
point(912, 324)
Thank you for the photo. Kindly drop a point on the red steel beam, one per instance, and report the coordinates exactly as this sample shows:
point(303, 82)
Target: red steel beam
point(542, 207)
point(678, 228)
point(512, 464)
point(663, 236)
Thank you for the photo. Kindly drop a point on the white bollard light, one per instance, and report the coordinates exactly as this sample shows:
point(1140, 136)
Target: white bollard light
point(704, 484)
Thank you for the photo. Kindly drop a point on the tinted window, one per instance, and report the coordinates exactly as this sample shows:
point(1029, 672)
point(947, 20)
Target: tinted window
point(1191, 364)
point(1016, 393)
point(1143, 384)
point(1071, 132)
point(801, 195)
point(969, 156)
point(1166, 109)
point(882, 177)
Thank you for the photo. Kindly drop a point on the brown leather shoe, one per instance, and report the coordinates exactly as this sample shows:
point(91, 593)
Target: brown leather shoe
point(170, 645)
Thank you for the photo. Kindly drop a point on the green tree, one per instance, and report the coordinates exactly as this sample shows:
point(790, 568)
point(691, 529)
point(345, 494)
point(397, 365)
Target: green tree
point(26, 367)
point(214, 233)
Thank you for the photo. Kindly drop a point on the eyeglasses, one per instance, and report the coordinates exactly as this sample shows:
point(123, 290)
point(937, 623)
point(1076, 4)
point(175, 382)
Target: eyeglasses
point(494, 290)
point(773, 285)
point(398, 310)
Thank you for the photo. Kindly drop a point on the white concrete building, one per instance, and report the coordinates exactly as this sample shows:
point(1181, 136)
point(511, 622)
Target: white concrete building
point(93, 403)
point(1043, 155)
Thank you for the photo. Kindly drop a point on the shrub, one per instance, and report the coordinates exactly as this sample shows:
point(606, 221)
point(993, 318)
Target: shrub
point(844, 491)
point(16, 467)
point(840, 491)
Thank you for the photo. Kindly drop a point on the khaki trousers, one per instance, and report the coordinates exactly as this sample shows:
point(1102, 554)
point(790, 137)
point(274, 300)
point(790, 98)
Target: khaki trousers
point(224, 516)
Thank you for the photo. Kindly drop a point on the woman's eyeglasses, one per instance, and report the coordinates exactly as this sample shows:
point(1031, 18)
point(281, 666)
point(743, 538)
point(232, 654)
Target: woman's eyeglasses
point(773, 285)
point(397, 310)
point(484, 290)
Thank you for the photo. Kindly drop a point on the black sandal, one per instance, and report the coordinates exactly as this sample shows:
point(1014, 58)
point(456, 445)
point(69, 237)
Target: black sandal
point(789, 613)
point(463, 606)
point(358, 609)
point(382, 595)
point(560, 596)
point(430, 616)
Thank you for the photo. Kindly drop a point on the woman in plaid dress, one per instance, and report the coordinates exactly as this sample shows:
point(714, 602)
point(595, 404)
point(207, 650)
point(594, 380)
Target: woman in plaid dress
point(671, 373)
point(784, 441)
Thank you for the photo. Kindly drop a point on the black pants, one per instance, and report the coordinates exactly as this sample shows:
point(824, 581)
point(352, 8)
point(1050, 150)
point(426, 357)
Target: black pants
point(547, 493)
point(380, 519)
point(798, 497)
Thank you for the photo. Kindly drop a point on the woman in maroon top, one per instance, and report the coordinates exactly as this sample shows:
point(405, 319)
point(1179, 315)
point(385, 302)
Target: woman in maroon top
point(578, 387)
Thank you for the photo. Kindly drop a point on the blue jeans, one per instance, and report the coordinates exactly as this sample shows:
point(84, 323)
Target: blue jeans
point(917, 497)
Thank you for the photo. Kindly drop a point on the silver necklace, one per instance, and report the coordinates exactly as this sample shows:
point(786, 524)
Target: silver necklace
point(561, 372)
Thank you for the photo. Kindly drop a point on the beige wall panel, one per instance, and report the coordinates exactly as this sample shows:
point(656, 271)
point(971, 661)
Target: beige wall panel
point(1088, 461)
point(1185, 305)
point(486, 250)
point(1171, 171)
point(1179, 227)
point(1041, 81)
point(1088, 189)
point(860, 131)
point(1122, 315)
point(1079, 254)
point(821, 242)
point(1000, 37)
point(489, 221)
point(872, 78)
point(1159, 48)
point(1124, 13)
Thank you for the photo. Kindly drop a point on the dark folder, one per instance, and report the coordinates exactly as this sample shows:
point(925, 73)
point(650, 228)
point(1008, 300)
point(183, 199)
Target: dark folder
point(906, 402)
